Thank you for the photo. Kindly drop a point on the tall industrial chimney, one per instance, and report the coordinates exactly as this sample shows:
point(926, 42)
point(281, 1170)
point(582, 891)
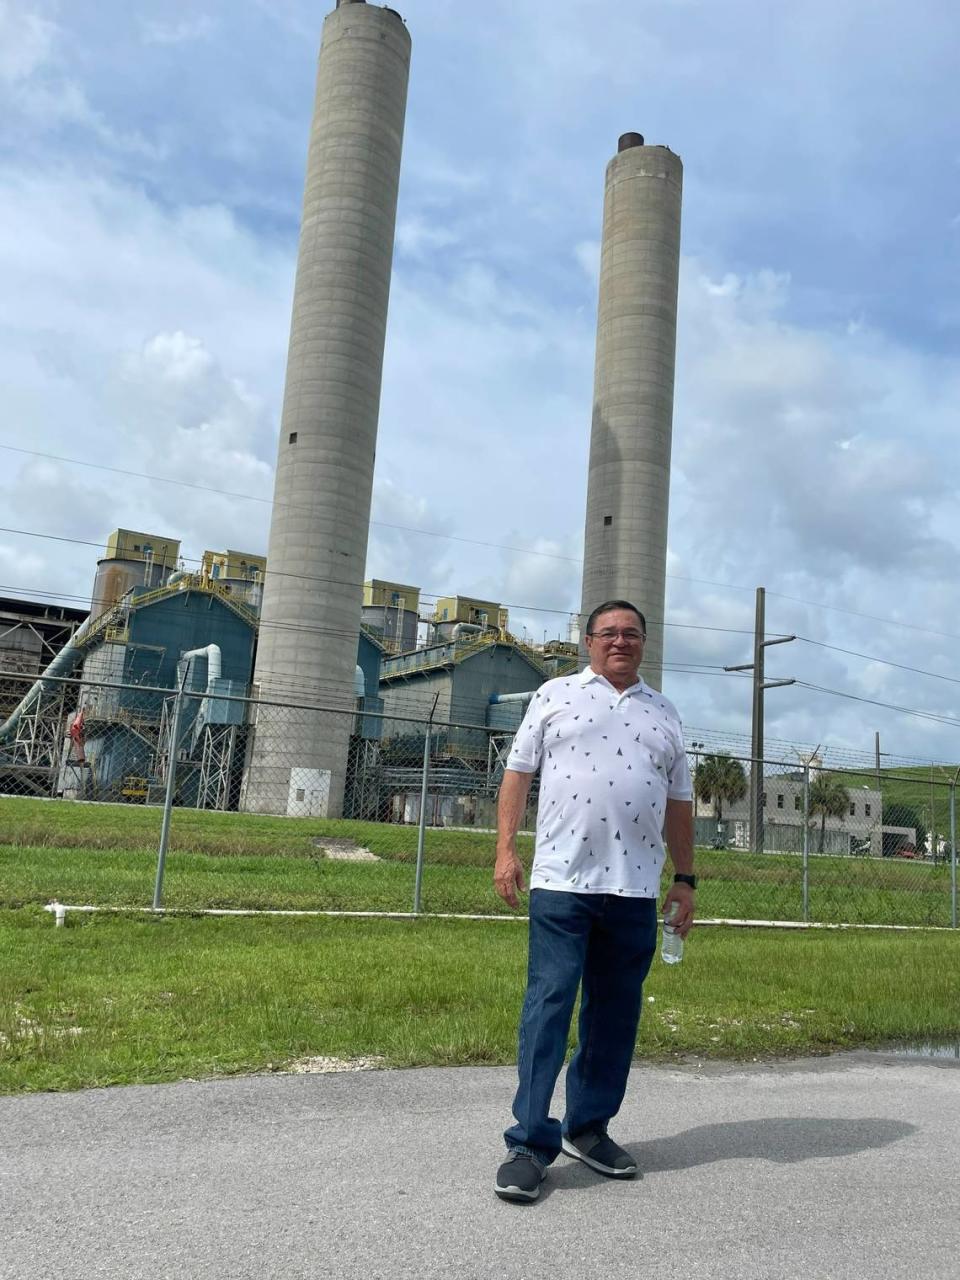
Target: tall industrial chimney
point(312, 594)
point(629, 477)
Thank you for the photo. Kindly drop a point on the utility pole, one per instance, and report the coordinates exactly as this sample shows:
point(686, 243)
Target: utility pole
point(760, 685)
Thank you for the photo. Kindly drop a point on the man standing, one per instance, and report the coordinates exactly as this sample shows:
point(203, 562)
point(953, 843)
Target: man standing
point(614, 780)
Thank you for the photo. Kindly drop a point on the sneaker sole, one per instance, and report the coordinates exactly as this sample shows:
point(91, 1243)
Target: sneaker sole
point(517, 1193)
point(607, 1170)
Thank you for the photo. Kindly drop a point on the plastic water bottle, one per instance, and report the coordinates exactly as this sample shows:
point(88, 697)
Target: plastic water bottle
point(671, 949)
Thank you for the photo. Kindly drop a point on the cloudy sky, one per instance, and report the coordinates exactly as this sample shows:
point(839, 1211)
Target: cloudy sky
point(151, 168)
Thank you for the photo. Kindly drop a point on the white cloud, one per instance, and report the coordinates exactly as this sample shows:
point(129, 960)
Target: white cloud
point(418, 239)
point(26, 42)
point(171, 33)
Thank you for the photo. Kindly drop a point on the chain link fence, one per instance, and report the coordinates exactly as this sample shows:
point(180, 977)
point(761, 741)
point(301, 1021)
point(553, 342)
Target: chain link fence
point(129, 795)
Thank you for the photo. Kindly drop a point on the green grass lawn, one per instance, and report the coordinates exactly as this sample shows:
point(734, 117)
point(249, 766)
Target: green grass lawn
point(106, 855)
point(118, 999)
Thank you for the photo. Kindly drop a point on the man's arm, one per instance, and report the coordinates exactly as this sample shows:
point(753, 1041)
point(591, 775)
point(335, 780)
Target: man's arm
point(678, 829)
point(511, 806)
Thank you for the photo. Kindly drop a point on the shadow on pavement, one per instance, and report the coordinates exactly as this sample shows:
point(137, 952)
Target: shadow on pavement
point(781, 1140)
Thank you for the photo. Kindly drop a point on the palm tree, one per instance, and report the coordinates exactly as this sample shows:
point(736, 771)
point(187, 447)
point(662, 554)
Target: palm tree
point(830, 798)
point(720, 778)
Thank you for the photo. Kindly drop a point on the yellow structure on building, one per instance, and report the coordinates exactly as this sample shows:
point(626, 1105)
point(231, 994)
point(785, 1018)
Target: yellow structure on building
point(378, 593)
point(480, 613)
point(233, 566)
point(129, 544)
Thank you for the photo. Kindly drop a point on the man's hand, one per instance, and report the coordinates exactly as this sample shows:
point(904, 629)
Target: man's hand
point(683, 895)
point(508, 876)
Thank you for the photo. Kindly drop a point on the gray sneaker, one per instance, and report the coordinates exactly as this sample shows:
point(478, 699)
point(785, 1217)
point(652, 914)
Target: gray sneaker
point(601, 1153)
point(519, 1177)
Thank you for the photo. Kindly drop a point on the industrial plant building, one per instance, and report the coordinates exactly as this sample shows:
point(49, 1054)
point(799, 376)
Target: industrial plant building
point(89, 713)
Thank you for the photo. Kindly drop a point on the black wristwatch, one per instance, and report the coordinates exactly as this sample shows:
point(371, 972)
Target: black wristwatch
point(679, 878)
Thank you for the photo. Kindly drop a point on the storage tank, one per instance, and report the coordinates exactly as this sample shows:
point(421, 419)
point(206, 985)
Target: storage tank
point(113, 580)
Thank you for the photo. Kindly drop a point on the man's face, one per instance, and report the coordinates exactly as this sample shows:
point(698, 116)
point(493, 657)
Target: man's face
point(616, 646)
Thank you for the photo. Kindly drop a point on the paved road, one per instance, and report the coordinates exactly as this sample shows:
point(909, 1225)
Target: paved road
point(841, 1168)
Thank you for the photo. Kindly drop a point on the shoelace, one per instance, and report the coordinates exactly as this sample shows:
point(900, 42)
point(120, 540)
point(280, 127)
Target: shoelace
point(523, 1155)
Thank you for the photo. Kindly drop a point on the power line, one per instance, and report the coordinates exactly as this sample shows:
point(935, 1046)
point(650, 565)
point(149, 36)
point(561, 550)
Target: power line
point(869, 617)
point(434, 533)
point(252, 497)
point(899, 666)
point(381, 524)
point(520, 608)
point(933, 716)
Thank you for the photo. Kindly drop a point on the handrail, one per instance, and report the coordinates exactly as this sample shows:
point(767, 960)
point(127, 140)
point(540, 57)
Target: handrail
point(452, 652)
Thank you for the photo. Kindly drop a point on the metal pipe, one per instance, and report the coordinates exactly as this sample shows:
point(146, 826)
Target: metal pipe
point(512, 697)
point(168, 796)
point(953, 850)
point(422, 827)
point(806, 841)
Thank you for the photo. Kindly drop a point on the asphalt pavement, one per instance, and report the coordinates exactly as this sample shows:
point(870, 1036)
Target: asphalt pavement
point(843, 1168)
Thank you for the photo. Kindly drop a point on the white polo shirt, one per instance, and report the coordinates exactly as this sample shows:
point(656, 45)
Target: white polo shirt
point(608, 763)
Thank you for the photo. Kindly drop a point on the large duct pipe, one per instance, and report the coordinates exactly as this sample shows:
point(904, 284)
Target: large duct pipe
point(61, 665)
point(310, 619)
point(512, 697)
point(214, 661)
point(628, 489)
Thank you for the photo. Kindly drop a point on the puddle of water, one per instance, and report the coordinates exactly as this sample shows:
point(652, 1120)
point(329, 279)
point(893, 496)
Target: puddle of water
point(924, 1049)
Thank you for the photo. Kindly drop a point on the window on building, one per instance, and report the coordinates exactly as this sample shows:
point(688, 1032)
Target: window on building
point(779, 802)
point(216, 571)
point(797, 803)
point(608, 521)
point(853, 809)
point(866, 811)
point(763, 799)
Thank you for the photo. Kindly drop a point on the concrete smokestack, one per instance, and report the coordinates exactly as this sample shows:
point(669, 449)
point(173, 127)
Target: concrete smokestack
point(629, 478)
point(318, 536)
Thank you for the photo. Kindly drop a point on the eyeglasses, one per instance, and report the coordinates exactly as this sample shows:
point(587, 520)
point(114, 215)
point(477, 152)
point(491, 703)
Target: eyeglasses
point(608, 634)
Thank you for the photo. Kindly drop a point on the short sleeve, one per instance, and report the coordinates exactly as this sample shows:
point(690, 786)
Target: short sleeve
point(679, 782)
point(527, 748)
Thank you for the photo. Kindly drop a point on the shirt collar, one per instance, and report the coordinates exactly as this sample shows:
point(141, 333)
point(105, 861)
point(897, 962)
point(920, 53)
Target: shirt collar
point(588, 674)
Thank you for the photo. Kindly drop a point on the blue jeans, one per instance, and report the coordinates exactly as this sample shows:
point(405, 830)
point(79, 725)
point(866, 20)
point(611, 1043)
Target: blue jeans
point(607, 942)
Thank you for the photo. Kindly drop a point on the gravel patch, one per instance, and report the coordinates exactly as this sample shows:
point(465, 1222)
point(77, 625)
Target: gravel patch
point(343, 850)
point(325, 1066)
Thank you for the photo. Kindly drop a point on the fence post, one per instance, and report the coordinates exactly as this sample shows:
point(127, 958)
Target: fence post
point(422, 828)
point(953, 851)
point(806, 841)
point(168, 797)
